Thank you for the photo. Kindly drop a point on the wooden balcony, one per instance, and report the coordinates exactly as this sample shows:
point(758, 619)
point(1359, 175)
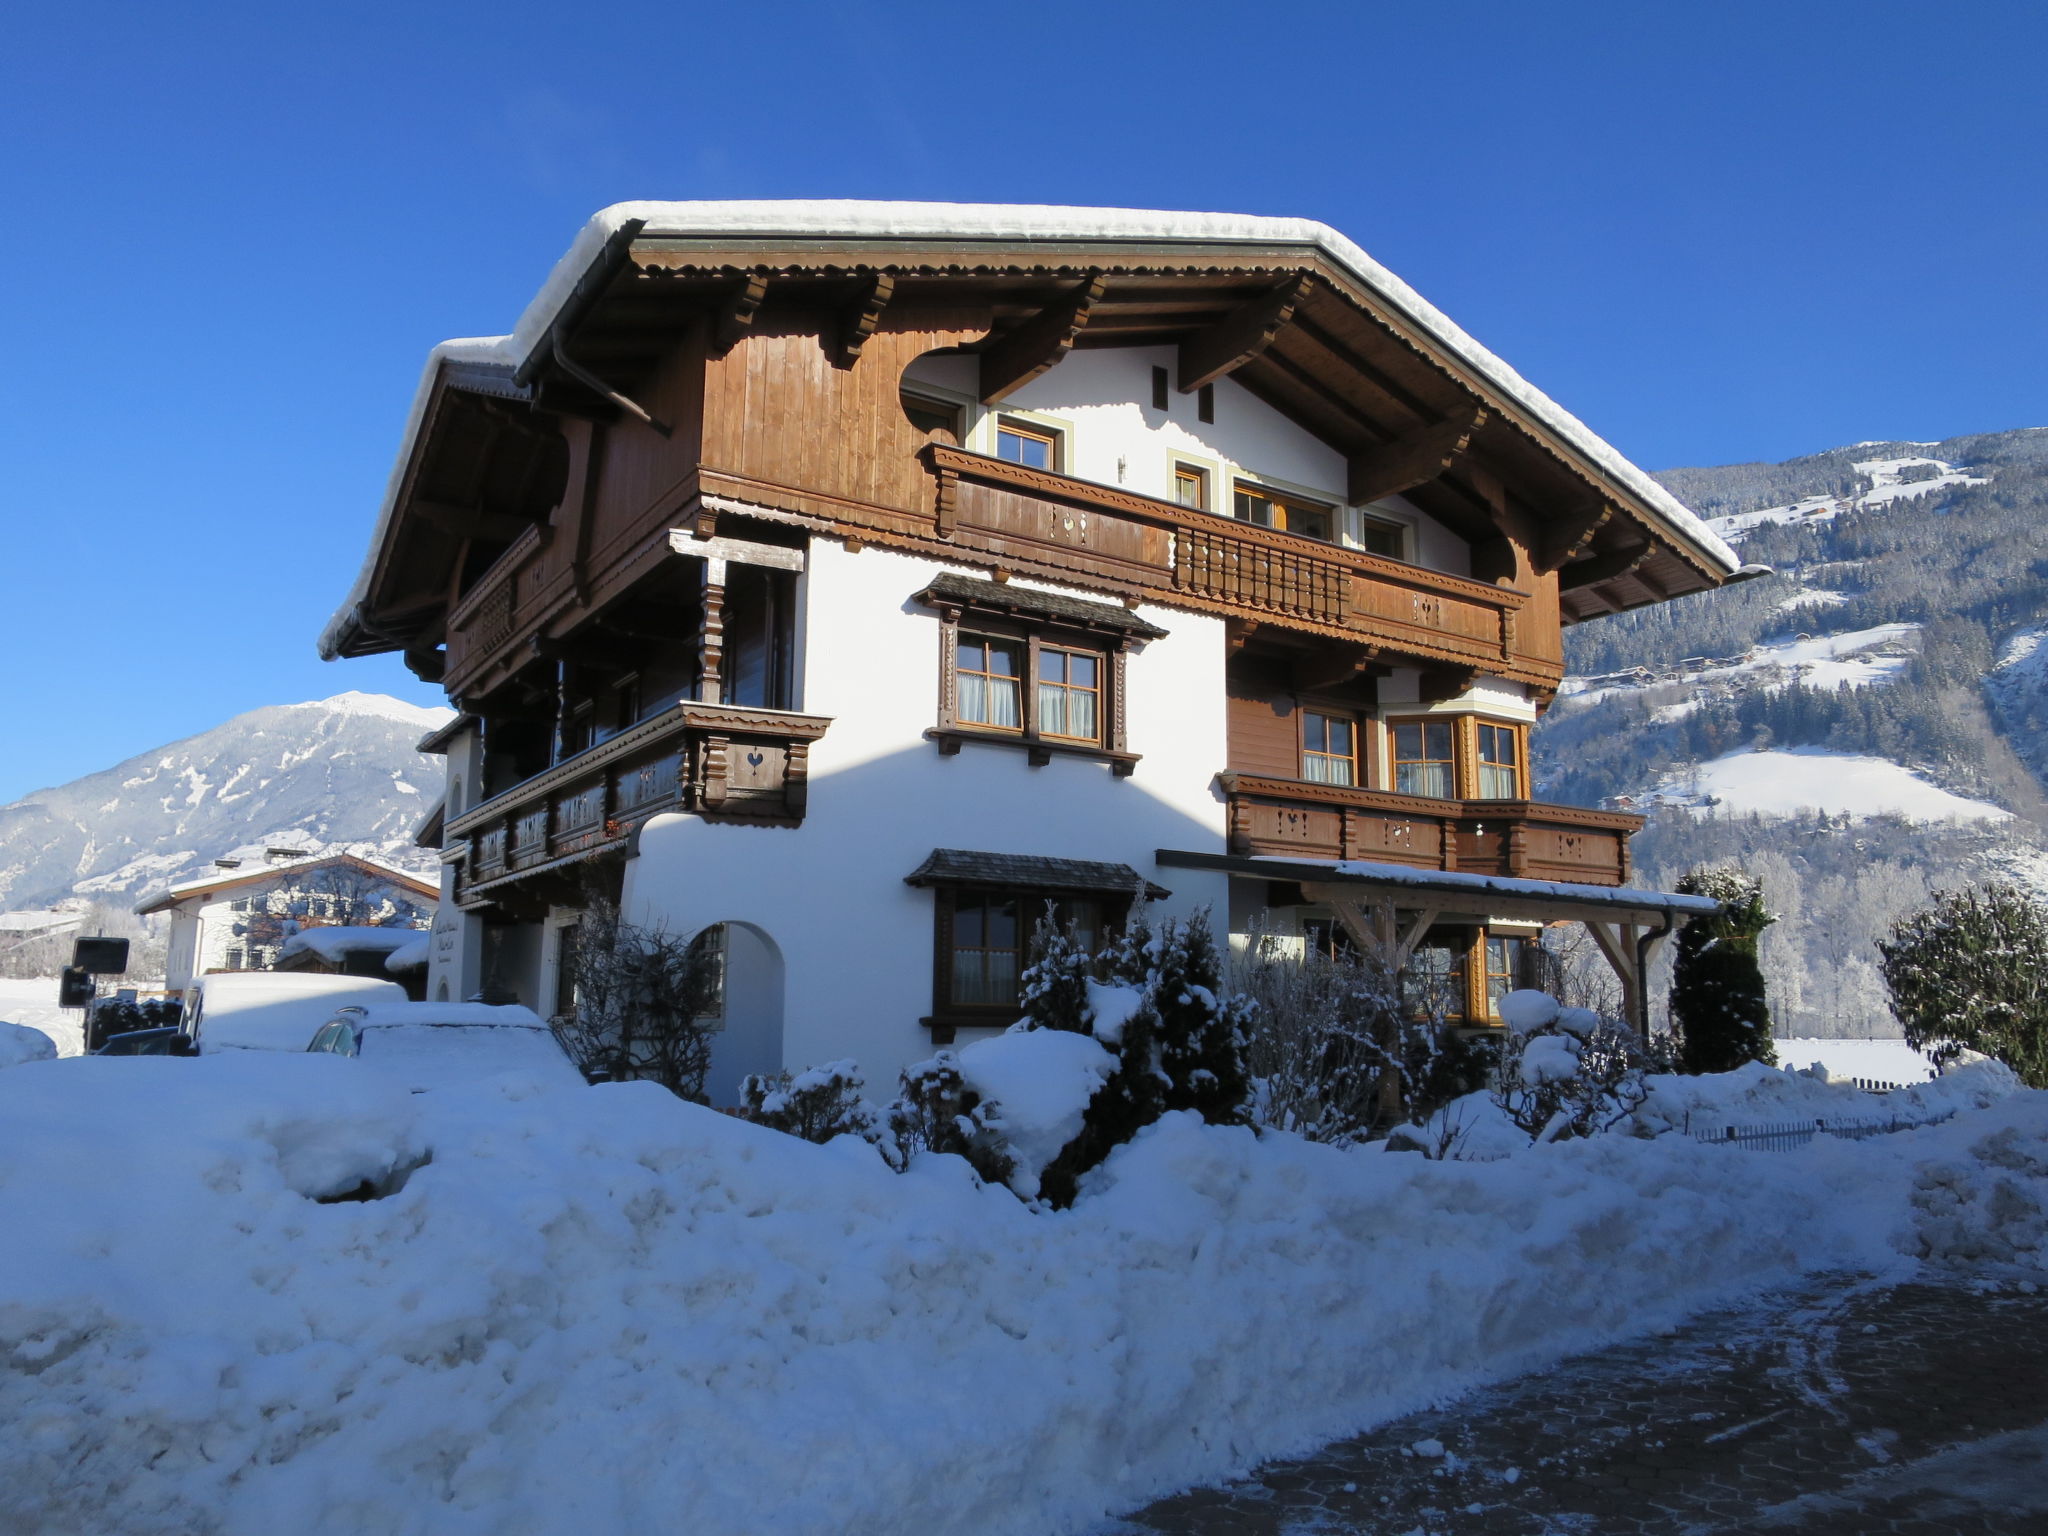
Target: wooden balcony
point(718, 761)
point(1523, 839)
point(1099, 535)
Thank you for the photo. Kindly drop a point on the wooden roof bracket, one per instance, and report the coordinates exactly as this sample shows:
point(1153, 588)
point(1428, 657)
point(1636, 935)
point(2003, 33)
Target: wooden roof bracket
point(1415, 458)
point(602, 390)
point(736, 316)
point(1017, 357)
point(1573, 537)
point(1239, 336)
point(861, 315)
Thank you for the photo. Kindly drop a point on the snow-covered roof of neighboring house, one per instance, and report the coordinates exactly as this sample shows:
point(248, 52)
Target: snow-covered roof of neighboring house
point(411, 957)
point(851, 219)
point(257, 873)
point(38, 920)
point(337, 942)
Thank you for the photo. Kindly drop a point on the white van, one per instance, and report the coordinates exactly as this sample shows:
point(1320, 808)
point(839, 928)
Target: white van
point(273, 1010)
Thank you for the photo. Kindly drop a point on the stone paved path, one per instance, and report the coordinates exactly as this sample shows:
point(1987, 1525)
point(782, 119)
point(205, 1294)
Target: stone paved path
point(1844, 1409)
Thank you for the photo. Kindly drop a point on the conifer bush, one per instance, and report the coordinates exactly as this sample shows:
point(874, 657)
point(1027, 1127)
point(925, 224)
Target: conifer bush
point(937, 1112)
point(1718, 1006)
point(817, 1104)
point(1970, 972)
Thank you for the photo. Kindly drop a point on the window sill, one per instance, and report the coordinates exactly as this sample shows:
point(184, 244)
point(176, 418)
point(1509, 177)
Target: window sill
point(1040, 749)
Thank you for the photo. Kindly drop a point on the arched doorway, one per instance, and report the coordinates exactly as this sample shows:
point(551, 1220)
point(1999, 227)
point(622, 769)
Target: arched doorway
point(749, 1005)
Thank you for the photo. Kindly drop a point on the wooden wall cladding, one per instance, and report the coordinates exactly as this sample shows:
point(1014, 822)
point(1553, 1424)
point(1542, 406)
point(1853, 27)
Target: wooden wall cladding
point(1260, 719)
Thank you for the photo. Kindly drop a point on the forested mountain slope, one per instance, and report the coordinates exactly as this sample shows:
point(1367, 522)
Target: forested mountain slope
point(1861, 727)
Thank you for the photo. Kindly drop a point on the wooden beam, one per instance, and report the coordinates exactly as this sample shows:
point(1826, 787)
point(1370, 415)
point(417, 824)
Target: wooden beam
point(1333, 666)
point(1017, 357)
point(736, 315)
point(471, 522)
point(1239, 337)
point(1616, 562)
point(1413, 459)
point(862, 314)
point(1572, 536)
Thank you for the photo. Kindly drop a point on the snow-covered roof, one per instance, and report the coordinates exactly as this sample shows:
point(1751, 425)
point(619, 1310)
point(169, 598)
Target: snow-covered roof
point(337, 942)
point(174, 894)
point(858, 220)
point(411, 957)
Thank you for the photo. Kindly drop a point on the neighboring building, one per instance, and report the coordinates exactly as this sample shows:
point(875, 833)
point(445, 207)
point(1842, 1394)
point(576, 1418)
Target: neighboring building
point(241, 917)
point(849, 580)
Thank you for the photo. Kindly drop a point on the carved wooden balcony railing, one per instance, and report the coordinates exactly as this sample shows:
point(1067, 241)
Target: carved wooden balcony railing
point(719, 761)
point(1524, 839)
point(1099, 535)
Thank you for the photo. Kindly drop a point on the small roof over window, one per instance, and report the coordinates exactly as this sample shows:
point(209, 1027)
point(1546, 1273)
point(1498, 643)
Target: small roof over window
point(1030, 871)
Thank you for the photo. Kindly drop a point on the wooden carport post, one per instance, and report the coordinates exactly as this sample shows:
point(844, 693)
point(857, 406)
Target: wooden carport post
point(1629, 948)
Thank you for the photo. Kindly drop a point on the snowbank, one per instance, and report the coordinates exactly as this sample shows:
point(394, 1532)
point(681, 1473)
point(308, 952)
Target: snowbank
point(21, 1043)
point(596, 1308)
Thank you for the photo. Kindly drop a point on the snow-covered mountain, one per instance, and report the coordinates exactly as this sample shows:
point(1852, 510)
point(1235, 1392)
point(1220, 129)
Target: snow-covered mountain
point(335, 773)
point(1861, 728)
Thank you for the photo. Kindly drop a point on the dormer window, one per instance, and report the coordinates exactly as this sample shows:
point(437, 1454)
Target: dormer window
point(1027, 443)
point(1288, 514)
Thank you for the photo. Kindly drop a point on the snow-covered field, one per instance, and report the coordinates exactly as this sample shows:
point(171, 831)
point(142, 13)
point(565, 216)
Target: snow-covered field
point(605, 1310)
point(1804, 779)
point(34, 1003)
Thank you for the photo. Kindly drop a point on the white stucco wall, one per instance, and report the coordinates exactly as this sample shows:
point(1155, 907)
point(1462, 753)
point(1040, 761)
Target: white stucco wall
point(855, 942)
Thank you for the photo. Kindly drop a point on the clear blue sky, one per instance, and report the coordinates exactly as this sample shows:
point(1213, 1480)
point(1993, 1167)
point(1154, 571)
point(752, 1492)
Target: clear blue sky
point(1715, 231)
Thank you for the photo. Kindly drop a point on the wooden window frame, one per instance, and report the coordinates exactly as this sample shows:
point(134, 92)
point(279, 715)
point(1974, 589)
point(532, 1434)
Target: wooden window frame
point(1465, 728)
point(1520, 732)
point(1202, 479)
point(1034, 637)
point(1302, 710)
point(1285, 504)
point(1400, 531)
point(909, 397)
point(1055, 439)
point(947, 1016)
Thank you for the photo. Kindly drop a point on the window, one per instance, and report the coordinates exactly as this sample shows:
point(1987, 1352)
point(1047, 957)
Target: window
point(1028, 444)
point(1038, 670)
point(1069, 694)
point(1433, 985)
point(1329, 748)
point(1257, 505)
point(1506, 964)
point(1378, 537)
point(934, 418)
point(1424, 758)
point(985, 943)
point(1191, 486)
point(708, 950)
point(991, 691)
point(1500, 761)
point(1329, 938)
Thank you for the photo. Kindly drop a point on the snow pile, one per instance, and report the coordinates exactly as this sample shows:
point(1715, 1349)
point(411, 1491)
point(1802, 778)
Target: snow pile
point(593, 1308)
point(1880, 1060)
point(335, 943)
point(1041, 1081)
point(413, 956)
point(1786, 783)
point(1755, 1094)
point(1990, 1207)
point(19, 1043)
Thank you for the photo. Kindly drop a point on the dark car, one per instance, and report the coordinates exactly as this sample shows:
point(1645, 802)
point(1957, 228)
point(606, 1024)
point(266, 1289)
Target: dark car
point(149, 1042)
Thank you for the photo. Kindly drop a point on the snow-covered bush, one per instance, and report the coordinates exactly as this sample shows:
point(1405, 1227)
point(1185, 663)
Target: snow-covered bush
point(1970, 972)
point(1336, 1051)
point(938, 1112)
point(1156, 1001)
point(1718, 1007)
point(1567, 1072)
point(1041, 1082)
point(816, 1105)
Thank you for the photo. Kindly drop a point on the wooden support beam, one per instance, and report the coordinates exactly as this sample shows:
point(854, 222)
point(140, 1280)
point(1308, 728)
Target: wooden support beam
point(471, 522)
point(1237, 338)
point(1413, 459)
point(1017, 357)
point(1374, 924)
point(711, 635)
point(1616, 562)
point(1332, 666)
point(1572, 536)
point(862, 314)
point(736, 315)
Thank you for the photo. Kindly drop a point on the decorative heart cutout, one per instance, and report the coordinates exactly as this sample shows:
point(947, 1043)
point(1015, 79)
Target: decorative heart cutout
point(755, 759)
